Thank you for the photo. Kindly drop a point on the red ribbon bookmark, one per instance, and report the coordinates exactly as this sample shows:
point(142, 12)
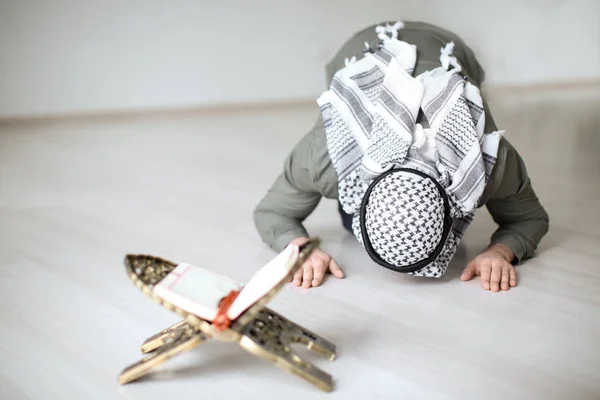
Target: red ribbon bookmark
point(222, 322)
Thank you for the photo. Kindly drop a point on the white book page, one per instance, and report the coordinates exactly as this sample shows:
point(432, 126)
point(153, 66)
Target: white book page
point(195, 290)
point(264, 280)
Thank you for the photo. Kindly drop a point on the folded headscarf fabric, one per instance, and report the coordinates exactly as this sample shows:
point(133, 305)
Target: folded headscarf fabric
point(393, 139)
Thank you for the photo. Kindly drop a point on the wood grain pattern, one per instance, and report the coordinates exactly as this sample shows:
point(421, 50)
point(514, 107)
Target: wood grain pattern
point(76, 196)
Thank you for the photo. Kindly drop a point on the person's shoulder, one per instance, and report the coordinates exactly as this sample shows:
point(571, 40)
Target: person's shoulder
point(507, 172)
point(321, 167)
point(497, 175)
point(309, 164)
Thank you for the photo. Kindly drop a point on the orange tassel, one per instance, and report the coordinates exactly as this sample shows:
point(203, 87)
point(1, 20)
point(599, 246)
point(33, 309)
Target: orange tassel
point(221, 321)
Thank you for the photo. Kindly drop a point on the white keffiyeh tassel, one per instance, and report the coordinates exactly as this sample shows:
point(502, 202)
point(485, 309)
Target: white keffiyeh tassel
point(349, 61)
point(381, 32)
point(447, 59)
point(388, 31)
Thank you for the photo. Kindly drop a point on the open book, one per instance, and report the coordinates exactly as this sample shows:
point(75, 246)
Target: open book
point(200, 291)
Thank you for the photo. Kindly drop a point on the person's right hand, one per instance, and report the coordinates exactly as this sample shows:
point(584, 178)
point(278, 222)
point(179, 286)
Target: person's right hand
point(313, 270)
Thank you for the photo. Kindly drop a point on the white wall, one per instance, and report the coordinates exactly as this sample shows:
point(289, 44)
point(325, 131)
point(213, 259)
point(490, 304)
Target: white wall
point(61, 56)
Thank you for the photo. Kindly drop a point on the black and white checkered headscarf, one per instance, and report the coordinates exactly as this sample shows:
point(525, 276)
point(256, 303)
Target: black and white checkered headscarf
point(412, 187)
point(403, 209)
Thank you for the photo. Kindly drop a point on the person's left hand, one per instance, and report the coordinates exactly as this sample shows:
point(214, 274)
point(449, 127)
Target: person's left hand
point(495, 268)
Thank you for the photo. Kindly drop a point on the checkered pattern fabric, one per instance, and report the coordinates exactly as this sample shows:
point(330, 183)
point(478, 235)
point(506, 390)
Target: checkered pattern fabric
point(404, 218)
point(371, 124)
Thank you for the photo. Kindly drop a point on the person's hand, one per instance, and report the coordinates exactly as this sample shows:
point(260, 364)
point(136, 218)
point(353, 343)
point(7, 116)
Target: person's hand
point(314, 268)
point(495, 268)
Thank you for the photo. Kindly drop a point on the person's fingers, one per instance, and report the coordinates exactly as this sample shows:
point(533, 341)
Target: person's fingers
point(505, 278)
point(485, 270)
point(335, 269)
point(308, 275)
point(298, 275)
point(318, 274)
point(468, 272)
point(320, 254)
point(330, 263)
point(496, 275)
point(294, 274)
point(319, 263)
point(513, 276)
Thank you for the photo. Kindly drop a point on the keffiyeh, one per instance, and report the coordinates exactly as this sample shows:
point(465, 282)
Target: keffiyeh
point(410, 153)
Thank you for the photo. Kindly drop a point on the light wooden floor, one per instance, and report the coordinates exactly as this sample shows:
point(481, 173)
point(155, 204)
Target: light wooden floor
point(76, 196)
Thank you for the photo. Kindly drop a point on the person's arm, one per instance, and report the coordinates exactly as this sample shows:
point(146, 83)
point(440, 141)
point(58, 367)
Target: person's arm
point(522, 223)
point(296, 192)
point(515, 207)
